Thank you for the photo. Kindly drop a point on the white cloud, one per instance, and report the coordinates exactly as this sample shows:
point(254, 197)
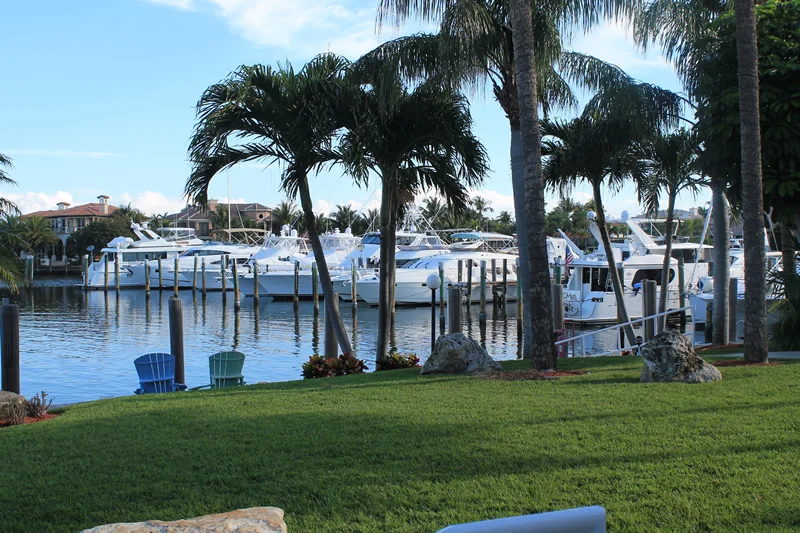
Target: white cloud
point(76, 154)
point(613, 42)
point(30, 201)
point(150, 202)
point(307, 26)
point(355, 205)
point(323, 206)
point(497, 200)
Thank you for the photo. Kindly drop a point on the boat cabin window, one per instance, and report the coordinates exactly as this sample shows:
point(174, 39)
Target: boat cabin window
point(653, 274)
point(203, 253)
point(597, 279)
point(371, 239)
point(137, 256)
point(405, 240)
point(689, 255)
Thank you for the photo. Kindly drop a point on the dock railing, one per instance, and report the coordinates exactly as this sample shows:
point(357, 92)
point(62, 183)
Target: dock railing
point(573, 341)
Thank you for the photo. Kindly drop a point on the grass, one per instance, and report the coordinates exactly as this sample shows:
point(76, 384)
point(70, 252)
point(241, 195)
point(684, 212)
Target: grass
point(399, 452)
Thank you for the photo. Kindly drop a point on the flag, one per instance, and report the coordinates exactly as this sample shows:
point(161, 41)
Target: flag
point(568, 258)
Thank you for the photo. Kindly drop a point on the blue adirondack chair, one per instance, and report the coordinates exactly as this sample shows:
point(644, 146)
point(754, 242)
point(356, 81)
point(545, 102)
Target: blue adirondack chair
point(156, 374)
point(225, 369)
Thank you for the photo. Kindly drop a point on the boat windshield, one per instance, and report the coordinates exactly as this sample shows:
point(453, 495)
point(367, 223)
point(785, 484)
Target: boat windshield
point(176, 234)
point(371, 238)
point(338, 242)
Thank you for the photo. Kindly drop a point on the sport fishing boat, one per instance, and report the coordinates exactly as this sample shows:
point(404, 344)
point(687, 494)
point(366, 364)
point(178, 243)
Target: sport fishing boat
point(128, 255)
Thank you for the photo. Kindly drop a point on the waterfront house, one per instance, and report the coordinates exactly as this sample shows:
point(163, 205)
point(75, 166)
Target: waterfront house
point(202, 219)
point(66, 220)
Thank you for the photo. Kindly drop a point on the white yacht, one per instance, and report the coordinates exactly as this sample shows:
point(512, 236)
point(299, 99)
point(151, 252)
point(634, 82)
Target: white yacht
point(279, 283)
point(411, 280)
point(130, 254)
point(589, 294)
point(470, 241)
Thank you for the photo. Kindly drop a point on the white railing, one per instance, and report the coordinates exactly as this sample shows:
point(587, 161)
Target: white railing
point(616, 329)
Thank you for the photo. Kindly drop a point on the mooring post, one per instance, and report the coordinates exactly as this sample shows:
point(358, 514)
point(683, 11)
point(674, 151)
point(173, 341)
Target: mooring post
point(354, 284)
point(505, 281)
point(105, 278)
point(494, 282)
point(147, 277)
point(176, 337)
point(255, 283)
point(175, 280)
point(223, 271)
point(297, 284)
point(469, 282)
point(10, 347)
point(557, 273)
point(117, 259)
point(331, 345)
point(442, 288)
point(194, 275)
point(682, 292)
point(236, 301)
point(159, 266)
point(460, 269)
point(86, 272)
point(482, 315)
point(733, 296)
point(650, 299)
point(558, 306)
point(454, 309)
point(33, 267)
point(708, 330)
point(315, 287)
point(203, 273)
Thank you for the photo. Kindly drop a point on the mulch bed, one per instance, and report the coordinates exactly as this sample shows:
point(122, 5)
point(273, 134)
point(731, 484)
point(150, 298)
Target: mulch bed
point(29, 420)
point(522, 375)
point(740, 362)
point(702, 349)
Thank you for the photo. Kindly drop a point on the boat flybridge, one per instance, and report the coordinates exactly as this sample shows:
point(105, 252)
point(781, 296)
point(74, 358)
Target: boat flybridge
point(336, 247)
point(589, 294)
point(125, 253)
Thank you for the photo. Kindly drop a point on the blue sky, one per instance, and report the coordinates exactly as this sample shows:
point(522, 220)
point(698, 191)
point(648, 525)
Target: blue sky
point(98, 97)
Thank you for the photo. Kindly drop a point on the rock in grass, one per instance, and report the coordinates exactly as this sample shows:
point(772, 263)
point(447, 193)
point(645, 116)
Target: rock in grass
point(670, 357)
point(7, 398)
point(458, 354)
point(252, 520)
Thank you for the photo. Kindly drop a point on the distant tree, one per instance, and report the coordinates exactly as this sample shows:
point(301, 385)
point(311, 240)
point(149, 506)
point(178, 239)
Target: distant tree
point(343, 217)
point(10, 265)
point(371, 219)
point(37, 232)
point(285, 214)
point(480, 207)
point(130, 214)
point(159, 221)
point(98, 234)
point(219, 217)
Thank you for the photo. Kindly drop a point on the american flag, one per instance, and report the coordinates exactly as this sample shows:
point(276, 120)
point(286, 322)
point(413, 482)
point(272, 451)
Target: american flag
point(568, 258)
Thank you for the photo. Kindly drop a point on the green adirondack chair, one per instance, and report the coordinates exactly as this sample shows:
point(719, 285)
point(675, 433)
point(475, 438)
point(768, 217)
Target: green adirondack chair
point(226, 369)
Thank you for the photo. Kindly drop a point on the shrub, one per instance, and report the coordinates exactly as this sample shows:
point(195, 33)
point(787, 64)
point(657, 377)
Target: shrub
point(396, 360)
point(38, 405)
point(14, 413)
point(319, 367)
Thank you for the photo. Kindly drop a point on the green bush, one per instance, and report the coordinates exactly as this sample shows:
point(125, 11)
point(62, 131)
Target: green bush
point(396, 360)
point(14, 413)
point(319, 367)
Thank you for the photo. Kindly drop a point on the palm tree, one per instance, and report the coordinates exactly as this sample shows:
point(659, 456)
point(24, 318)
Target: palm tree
point(434, 210)
point(219, 217)
point(37, 233)
point(481, 206)
point(505, 218)
point(343, 217)
point(671, 170)
point(274, 115)
point(414, 141)
point(371, 217)
point(160, 221)
point(601, 151)
point(130, 213)
point(285, 214)
point(7, 207)
point(755, 307)
point(10, 234)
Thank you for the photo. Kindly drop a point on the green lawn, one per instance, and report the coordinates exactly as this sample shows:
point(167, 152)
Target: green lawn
point(400, 452)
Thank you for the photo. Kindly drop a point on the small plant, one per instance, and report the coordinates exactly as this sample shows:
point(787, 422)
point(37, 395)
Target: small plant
point(319, 367)
point(38, 405)
point(396, 360)
point(14, 413)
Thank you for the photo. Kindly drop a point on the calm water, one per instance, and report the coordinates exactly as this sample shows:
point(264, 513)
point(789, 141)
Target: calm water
point(80, 346)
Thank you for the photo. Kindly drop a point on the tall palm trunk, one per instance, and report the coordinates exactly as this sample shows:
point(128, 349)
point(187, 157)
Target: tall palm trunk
point(523, 273)
point(662, 297)
point(616, 282)
point(722, 263)
point(384, 297)
point(392, 264)
point(322, 267)
point(538, 295)
point(755, 306)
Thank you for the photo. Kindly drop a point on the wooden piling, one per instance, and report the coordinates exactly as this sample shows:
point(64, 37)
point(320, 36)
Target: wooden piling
point(105, 274)
point(354, 284)
point(203, 273)
point(482, 314)
point(85, 272)
point(681, 293)
point(194, 275)
point(236, 296)
point(160, 275)
point(255, 284)
point(650, 299)
point(223, 271)
point(315, 287)
point(176, 337)
point(331, 346)
point(557, 274)
point(10, 349)
point(297, 284)
point(558, 306)
point(733, 296)
point(494, 282)
point(117, 259)
point(147, 277)
point(460, 269)
point(708, 330)
point(454, 309)
point(469, 282)
point(505, 280)
point(442, 289)
point(175, 280)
